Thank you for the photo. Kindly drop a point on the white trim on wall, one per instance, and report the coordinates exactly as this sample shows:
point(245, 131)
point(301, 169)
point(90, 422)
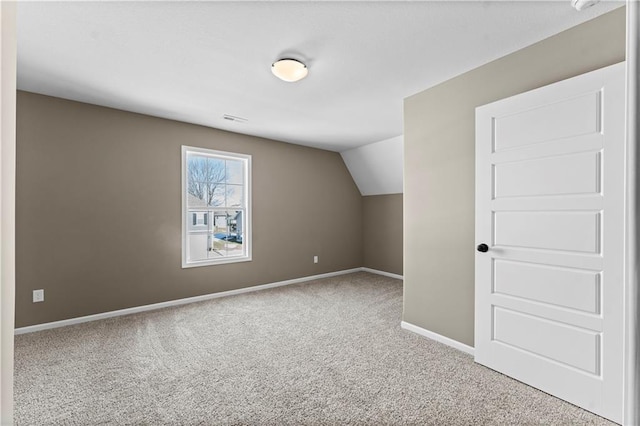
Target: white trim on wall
point(154, 306)
point(386, 274)
point(178, 302)
point(632, 268)
point(437, 337)
point(7, 205)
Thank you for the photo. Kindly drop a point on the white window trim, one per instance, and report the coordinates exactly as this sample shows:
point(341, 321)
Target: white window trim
point(247, 239)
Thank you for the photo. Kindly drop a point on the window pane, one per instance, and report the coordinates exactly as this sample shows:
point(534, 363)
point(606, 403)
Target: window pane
point(218, 247)
point(196, 168)
point(219, 221)
point(234, 248)
point(197, 221)
point(216, 195)
point(235, 196)
point(205, 169)
point(196, 194)
point(227, 238)
point(236, 226)
point(235, 172)
point(197, 246)
point(215, 170)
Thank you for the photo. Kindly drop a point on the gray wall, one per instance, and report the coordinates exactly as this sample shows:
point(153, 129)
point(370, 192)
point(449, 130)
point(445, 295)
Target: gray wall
point(439, 166)
point(99, 221)
point(382, 232)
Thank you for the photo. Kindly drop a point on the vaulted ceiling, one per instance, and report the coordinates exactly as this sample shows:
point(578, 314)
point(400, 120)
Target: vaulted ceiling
point(197, 61)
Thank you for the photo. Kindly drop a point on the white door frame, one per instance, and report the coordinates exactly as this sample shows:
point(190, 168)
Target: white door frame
point(7, 204)
point(632, 314)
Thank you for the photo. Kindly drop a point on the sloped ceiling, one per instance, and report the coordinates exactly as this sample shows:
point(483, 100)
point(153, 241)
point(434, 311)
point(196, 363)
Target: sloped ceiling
point(377, 168)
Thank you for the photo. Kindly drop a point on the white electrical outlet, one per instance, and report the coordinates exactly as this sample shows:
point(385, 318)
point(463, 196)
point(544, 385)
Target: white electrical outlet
point(315, 259)
point(38, 296)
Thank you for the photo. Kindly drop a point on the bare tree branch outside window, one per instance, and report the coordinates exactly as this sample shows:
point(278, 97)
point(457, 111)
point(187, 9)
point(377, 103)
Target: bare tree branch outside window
point(206, 179)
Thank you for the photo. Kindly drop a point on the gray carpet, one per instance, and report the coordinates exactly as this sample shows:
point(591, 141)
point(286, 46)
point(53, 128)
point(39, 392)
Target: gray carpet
point(319, 353)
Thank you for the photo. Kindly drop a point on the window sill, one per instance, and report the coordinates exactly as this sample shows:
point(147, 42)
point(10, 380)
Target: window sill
point(215, 262)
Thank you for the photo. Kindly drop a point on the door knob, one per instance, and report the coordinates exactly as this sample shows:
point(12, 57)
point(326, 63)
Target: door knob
point(483, 248)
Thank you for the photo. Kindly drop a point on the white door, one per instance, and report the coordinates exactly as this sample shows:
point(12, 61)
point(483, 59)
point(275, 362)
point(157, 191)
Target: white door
point(550, 170)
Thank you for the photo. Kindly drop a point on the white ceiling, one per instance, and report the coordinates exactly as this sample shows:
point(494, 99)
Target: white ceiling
point(195, 61)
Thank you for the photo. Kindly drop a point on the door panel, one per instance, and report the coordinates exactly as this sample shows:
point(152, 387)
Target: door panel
point(540, 336)
point(550, 205)
point(566, 287)
point(572, 174)
point(569, 231)
point(557, 120)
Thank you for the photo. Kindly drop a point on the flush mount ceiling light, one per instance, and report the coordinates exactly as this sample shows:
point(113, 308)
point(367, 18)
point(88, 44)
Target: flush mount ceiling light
point(583, 4)
point(289, 70)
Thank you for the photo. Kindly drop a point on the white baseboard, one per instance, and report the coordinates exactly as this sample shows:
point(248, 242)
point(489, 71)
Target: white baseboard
point(386, 274)
point(154, 306)
point(437, 337)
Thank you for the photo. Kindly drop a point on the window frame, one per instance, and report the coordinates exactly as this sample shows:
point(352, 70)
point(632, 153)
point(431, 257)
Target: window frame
point(247, 225)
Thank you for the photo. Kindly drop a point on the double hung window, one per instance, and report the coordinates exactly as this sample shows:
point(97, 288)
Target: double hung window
point(216, 215)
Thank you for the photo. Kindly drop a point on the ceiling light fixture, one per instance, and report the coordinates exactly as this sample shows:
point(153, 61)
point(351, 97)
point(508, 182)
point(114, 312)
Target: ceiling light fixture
point(289, 70)
point(583, 4)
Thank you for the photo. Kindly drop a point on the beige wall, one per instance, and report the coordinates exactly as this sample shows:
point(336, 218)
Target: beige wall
point(382, 232)
point(439, 166)
point(99, 221)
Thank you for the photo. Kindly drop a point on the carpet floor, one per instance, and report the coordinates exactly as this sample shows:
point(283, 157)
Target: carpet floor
point(326, 352)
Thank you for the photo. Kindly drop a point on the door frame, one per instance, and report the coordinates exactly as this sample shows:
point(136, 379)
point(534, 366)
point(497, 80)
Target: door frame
point(7, 204)
point(632, 260)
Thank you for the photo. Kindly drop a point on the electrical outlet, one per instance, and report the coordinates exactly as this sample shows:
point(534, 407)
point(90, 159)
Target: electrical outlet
point(38, 296)
point(315, 259)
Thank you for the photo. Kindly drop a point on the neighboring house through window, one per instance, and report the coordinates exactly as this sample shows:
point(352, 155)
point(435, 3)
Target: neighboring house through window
point(215, 207)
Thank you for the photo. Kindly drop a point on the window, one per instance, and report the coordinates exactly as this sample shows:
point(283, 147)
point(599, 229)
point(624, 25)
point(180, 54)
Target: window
point(216, 215)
